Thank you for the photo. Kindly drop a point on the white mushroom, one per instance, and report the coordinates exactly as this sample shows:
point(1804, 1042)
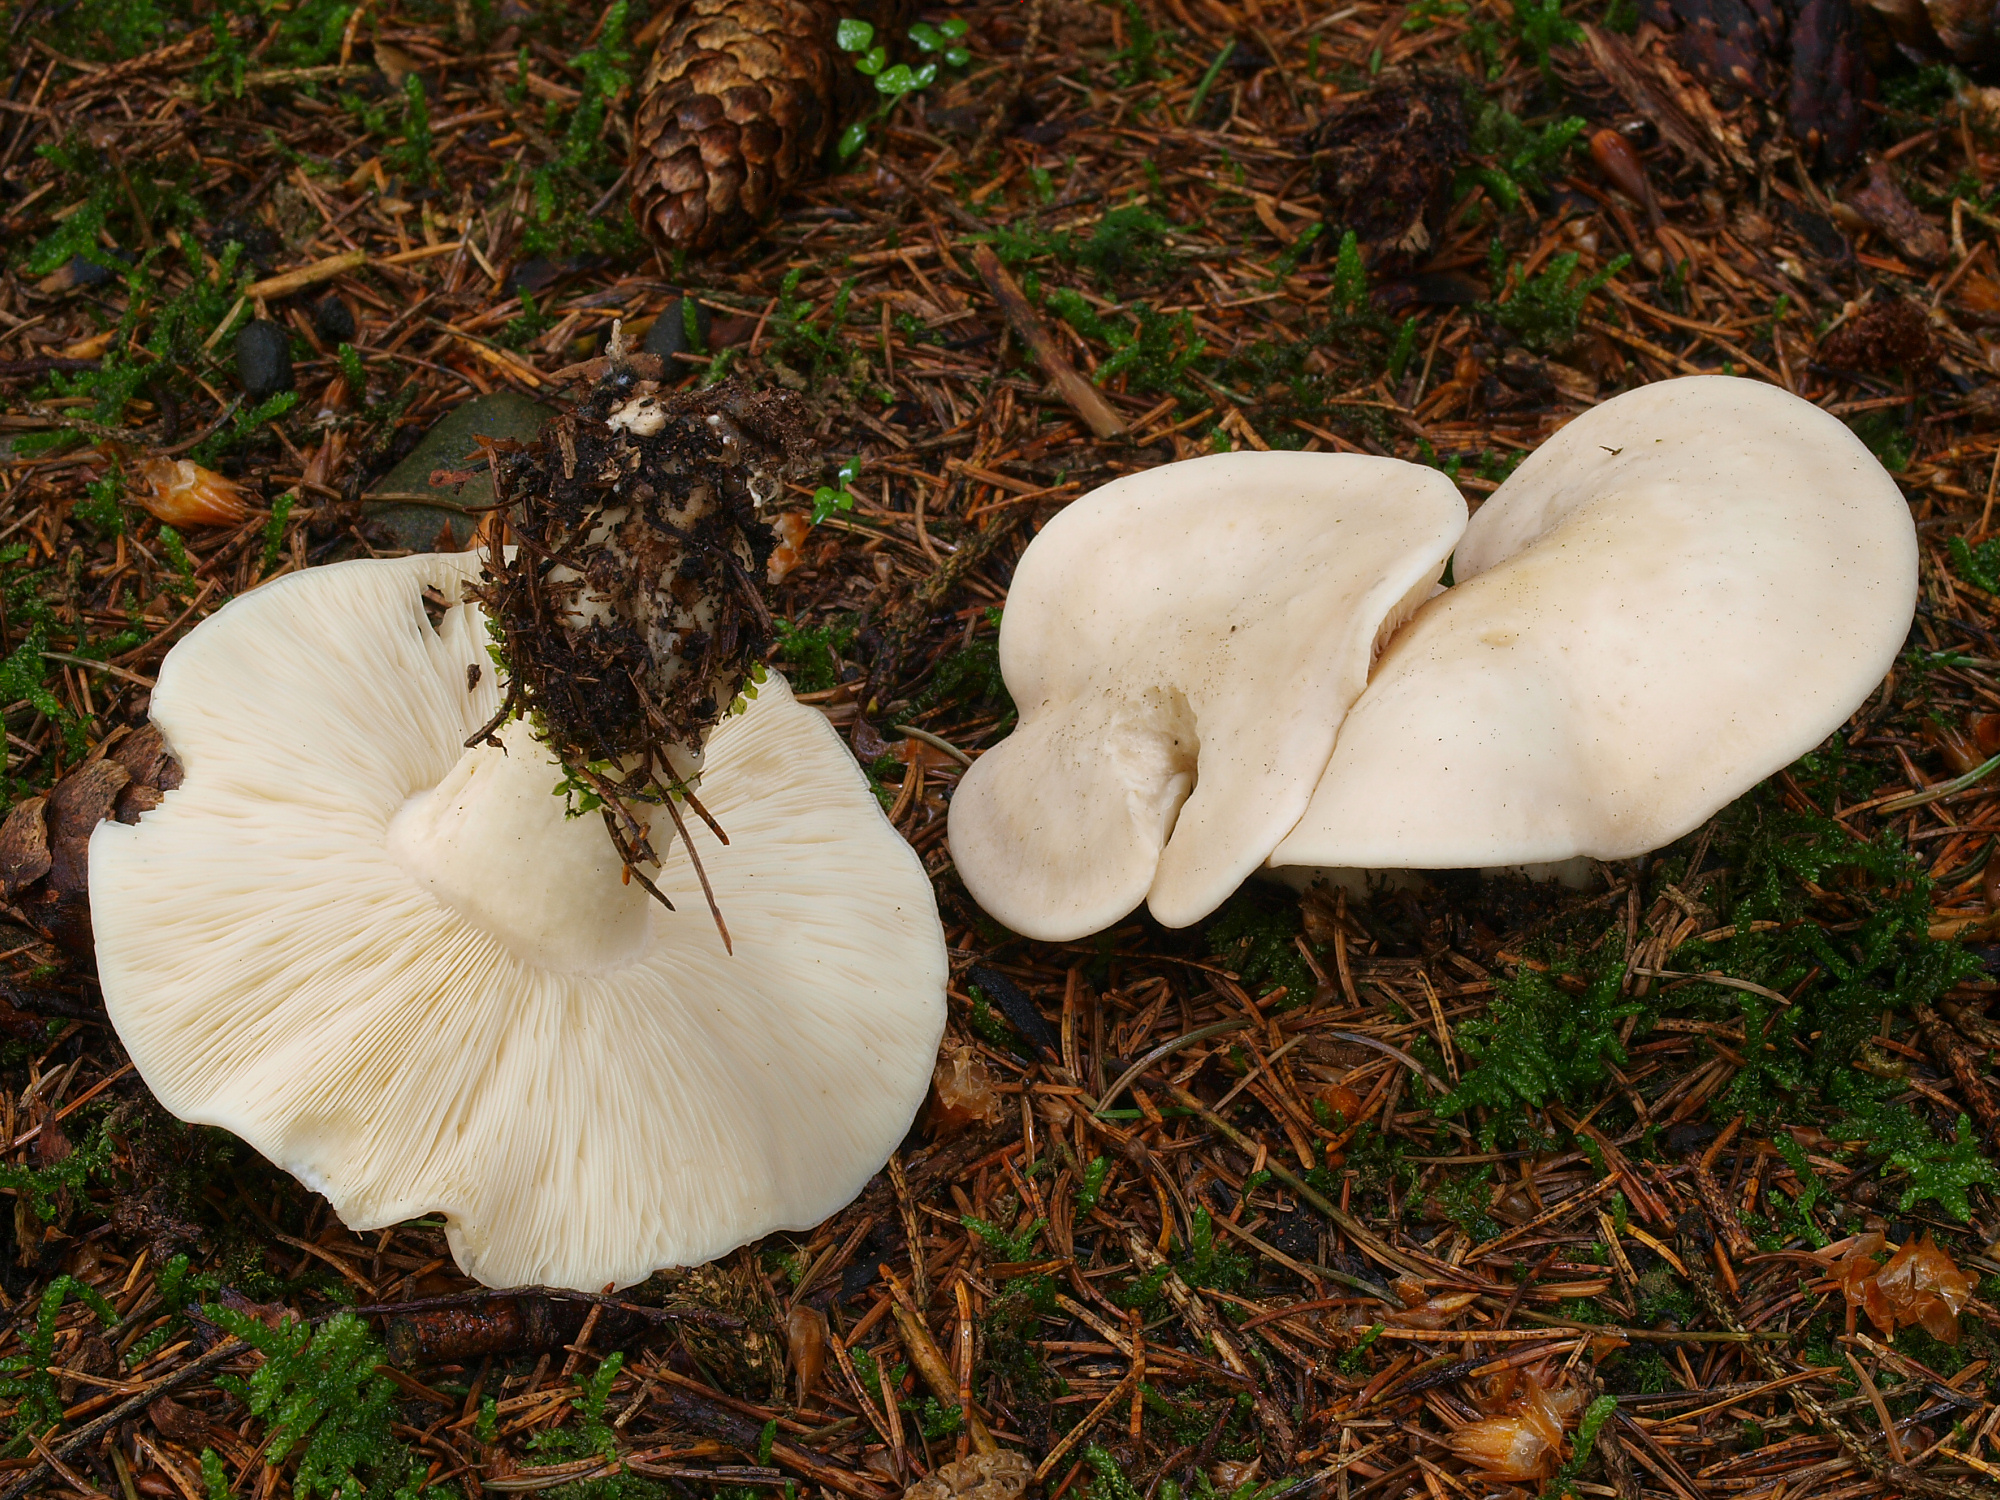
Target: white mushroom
point(1182, 644)
point(1678, 594)
point(393, 966)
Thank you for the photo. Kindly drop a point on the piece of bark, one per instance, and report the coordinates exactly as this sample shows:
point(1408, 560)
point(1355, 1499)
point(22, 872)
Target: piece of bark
point(1888, 210)
point(1965, 29)
point(1654, 87)
point(45, 841)
point(1728, 44)
point(1950, 1049)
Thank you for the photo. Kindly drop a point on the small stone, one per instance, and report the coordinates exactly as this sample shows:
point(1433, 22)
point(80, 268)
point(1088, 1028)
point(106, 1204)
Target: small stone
point(89, 273)
point(668, 335)
point(333, 321)
point(530, 276)
point(414, 511)
point(263, 359)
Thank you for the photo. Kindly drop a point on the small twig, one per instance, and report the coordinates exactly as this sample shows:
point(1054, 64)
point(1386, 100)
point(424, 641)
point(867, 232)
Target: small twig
point(715, 911)
point(86, 1436)
point(1082, 396)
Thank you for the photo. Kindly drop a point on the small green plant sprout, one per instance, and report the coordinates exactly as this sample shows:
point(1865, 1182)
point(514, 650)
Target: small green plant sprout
point(1564, 1482)
point(40, 1406)
point(940, 44)
point(1003, 1244)
point(839, 495)
point(1545, 309)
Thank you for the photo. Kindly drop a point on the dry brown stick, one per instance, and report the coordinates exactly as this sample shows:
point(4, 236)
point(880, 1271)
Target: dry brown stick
point(1950, 1049)
point(1370, 1243)
point(932, 1365)
point(1702, 1172)
point(1082, 396)
point(721, 1416)
point(287, 282)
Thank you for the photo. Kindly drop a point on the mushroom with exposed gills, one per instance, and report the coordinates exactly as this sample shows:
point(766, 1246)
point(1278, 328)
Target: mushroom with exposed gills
point(1675, 596)
point(1182, 644)
point(396, 968)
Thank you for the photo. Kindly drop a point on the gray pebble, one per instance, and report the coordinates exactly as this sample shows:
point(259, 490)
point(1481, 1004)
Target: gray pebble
point(263, 359)
point(668, 335)
point(333, 321)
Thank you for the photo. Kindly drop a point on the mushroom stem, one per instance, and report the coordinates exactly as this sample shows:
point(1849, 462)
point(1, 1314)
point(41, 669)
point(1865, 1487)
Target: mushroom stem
point(493, 843)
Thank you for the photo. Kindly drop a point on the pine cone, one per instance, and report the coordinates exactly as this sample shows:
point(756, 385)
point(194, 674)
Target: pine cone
point(741, 102)
point(45, 841)
point(1385, 161)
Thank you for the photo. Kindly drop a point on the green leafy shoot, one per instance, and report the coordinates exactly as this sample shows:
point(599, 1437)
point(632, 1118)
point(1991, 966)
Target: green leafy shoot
point(1200, 98)
point(1517, 158)
point(1003, 1245)
point(1354, 1361)
point(1139, 60)
point(412, 158)
point(1812, 1191)
point(40, 1403)
point(46, 1188)
point(829, 499)
point(1107, 1481)
point(1091, 1188)
point(1978, 566)
point(564, 193)
point(99, 508)
point(940, 44)
point(592, 1435)
point(1540, 26)
point(1210, 1262)
point(1939, 1170)
point(1594, 1417)
point(274, 531)
point(1157, 353)
point(798, 338)
point(1256, 934)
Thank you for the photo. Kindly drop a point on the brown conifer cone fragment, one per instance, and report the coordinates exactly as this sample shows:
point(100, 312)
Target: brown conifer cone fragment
point(741, 101)
point(45, 841)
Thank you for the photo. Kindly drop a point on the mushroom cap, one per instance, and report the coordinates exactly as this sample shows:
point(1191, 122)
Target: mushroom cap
point(1182, 644)
point(1676, 595)
point(395, 968)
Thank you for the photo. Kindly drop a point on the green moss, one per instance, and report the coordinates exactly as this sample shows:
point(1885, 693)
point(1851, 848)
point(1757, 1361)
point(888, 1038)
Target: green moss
point(1256, 934)
point(811, 653)
point(1544, 310)
point(326, 1406)
point(1540, 1044)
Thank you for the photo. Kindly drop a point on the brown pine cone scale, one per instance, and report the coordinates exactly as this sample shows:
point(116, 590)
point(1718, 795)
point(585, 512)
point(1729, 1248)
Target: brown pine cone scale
point(740, 102)
point(45, 841)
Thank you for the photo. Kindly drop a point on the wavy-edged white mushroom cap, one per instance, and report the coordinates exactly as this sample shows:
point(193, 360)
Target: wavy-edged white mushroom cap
point(1182, 644)
point(1675, 596)
point(395, 968)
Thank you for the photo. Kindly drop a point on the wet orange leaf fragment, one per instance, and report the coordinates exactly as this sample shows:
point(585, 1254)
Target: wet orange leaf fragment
point(183, 493)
